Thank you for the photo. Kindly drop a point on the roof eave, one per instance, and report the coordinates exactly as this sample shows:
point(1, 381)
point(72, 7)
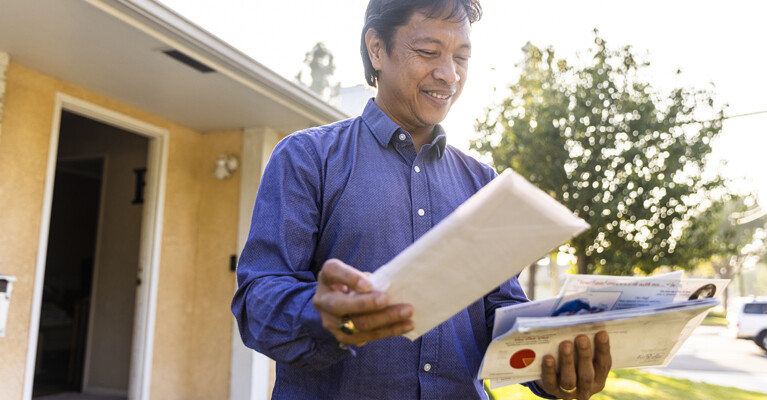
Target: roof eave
point(159, 21)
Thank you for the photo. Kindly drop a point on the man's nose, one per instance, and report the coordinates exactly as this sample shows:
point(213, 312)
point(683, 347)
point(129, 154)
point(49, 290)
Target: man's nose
point(447, 71)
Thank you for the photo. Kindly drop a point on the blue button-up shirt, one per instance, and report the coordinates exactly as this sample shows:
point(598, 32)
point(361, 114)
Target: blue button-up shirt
point(357, 190)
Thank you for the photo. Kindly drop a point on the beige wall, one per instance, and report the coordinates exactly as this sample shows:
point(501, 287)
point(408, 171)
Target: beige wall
point(213, 280)
point(193, 325)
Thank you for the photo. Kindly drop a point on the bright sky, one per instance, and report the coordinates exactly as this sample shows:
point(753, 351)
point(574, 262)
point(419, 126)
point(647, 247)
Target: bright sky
point(710, 41)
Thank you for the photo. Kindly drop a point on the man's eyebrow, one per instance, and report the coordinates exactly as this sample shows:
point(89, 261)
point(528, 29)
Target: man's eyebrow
point(431, 40)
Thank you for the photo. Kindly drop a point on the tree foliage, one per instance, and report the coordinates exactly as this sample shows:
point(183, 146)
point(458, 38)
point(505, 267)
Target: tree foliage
point(319, 61)
point(721, 233)
point(603, 142)
point(727, 238)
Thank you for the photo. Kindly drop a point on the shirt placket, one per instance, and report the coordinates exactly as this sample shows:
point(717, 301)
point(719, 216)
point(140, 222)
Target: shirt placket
point(422, 221)
point(419, 190)
point(429, 354)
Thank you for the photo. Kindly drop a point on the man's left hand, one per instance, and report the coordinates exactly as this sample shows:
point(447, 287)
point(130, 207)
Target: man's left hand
point(582, 370)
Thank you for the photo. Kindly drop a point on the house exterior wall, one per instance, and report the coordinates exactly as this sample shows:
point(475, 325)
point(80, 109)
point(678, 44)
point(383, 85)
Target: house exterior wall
point(26, 126)
point(213, 285)
point(193, 329)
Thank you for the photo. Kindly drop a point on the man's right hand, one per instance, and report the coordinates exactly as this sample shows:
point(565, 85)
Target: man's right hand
point(344, 290)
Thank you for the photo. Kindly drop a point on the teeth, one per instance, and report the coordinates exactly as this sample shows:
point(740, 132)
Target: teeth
point(437, 95)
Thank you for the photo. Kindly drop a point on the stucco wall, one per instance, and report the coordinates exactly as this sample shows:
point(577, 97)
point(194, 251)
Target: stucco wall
point(26, 126)
point(193, 325)
point(213, 283)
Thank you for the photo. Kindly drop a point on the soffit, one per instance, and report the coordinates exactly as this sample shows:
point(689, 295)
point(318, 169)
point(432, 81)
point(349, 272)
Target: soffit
point(115, 48)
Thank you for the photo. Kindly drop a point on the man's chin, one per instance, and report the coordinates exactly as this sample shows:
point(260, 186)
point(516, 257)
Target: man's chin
point(436, 119)
point(435, 116)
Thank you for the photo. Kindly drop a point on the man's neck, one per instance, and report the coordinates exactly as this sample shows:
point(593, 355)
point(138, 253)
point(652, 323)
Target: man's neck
point(420, 135)
point(421, 138)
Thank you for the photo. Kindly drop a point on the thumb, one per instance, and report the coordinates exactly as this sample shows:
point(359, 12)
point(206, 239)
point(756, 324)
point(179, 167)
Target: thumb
point(336, 272)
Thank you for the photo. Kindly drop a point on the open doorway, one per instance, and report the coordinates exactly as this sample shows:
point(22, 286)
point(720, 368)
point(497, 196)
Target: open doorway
point(92, 272)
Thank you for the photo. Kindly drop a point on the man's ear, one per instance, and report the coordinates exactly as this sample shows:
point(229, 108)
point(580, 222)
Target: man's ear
point(375, 48)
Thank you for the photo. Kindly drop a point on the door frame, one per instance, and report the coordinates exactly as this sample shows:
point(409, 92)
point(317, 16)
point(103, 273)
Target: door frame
point(149, 252)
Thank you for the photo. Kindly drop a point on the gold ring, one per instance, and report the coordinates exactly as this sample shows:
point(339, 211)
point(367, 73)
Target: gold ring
point(568, 391)
point(347, 325)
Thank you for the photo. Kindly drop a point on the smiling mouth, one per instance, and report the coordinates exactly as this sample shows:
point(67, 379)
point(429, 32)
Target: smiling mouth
point(441, 96)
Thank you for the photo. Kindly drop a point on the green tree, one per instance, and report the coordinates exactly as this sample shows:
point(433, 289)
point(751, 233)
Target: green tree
point(724, 238)
point(320, 65)
point(600, 140)
point(720, 233)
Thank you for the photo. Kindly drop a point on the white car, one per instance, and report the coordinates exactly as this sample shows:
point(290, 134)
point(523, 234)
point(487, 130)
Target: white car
point(748, 320)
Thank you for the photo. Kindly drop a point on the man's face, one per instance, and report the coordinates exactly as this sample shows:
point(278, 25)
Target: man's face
point(424, 73)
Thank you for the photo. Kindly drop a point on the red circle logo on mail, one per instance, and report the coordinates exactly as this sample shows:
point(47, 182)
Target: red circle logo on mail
point(522, 359)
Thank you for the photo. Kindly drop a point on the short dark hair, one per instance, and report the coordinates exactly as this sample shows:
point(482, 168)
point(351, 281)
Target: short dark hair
point(385, 16)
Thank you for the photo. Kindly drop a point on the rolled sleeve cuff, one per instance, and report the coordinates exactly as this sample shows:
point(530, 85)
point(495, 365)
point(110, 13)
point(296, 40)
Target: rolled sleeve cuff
point(537, 390)
point(328, 350)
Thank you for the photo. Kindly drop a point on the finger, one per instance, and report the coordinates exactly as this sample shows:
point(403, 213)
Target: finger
point(338, 303)
point(336, 272)
point(585, 368)
point(340, 288)
point(333, 324)
point(567, 377)
point(377, 334)
point(602, 361)
point(549, 376)
point(388, 316)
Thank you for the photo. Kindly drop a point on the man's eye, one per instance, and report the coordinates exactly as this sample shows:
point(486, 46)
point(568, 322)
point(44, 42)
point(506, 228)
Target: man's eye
point(428, 53)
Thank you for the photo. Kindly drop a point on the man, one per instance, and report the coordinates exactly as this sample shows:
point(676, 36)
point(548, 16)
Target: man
point(336, 202)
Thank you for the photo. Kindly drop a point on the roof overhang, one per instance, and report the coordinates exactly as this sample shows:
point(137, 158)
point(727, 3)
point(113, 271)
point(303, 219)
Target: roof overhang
point(115, 48)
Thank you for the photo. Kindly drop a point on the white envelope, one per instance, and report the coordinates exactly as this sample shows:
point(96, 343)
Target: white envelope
point(490, 238)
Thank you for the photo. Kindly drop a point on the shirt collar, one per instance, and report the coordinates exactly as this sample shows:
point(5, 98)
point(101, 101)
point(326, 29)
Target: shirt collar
point(384, 128)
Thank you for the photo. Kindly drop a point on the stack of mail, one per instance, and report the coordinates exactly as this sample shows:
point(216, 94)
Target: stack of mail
point(648, 320)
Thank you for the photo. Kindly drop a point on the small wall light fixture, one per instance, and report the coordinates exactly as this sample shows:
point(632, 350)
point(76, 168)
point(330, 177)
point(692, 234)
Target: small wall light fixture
point(225, 166)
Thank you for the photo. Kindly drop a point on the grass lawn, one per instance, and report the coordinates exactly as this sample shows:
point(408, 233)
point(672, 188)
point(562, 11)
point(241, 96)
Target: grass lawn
point(633, 384)
point(715, 318)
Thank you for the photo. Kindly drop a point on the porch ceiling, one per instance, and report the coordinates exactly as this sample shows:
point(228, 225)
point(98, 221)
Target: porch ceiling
point(114, 47)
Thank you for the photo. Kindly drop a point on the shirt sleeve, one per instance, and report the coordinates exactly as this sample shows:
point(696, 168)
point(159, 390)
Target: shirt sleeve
point(276, 279)
point(537, 390)
point(510, 292)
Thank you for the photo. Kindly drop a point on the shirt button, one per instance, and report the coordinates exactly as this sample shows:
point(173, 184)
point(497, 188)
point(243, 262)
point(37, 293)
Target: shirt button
point(402, 136)
point(417, 169)
point(427, 367)
point(421, 212)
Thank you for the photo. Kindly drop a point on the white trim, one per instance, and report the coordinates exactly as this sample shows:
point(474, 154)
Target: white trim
point(42, 251)
point(4, 61)
point(149, 258)
point(151, 237)
point(249, 377)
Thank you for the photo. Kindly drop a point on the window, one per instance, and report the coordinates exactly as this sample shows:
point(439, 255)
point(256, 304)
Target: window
point(755, 308)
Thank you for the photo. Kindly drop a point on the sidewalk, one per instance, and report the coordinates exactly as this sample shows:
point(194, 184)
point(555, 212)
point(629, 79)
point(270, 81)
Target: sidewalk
point(713, 356)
